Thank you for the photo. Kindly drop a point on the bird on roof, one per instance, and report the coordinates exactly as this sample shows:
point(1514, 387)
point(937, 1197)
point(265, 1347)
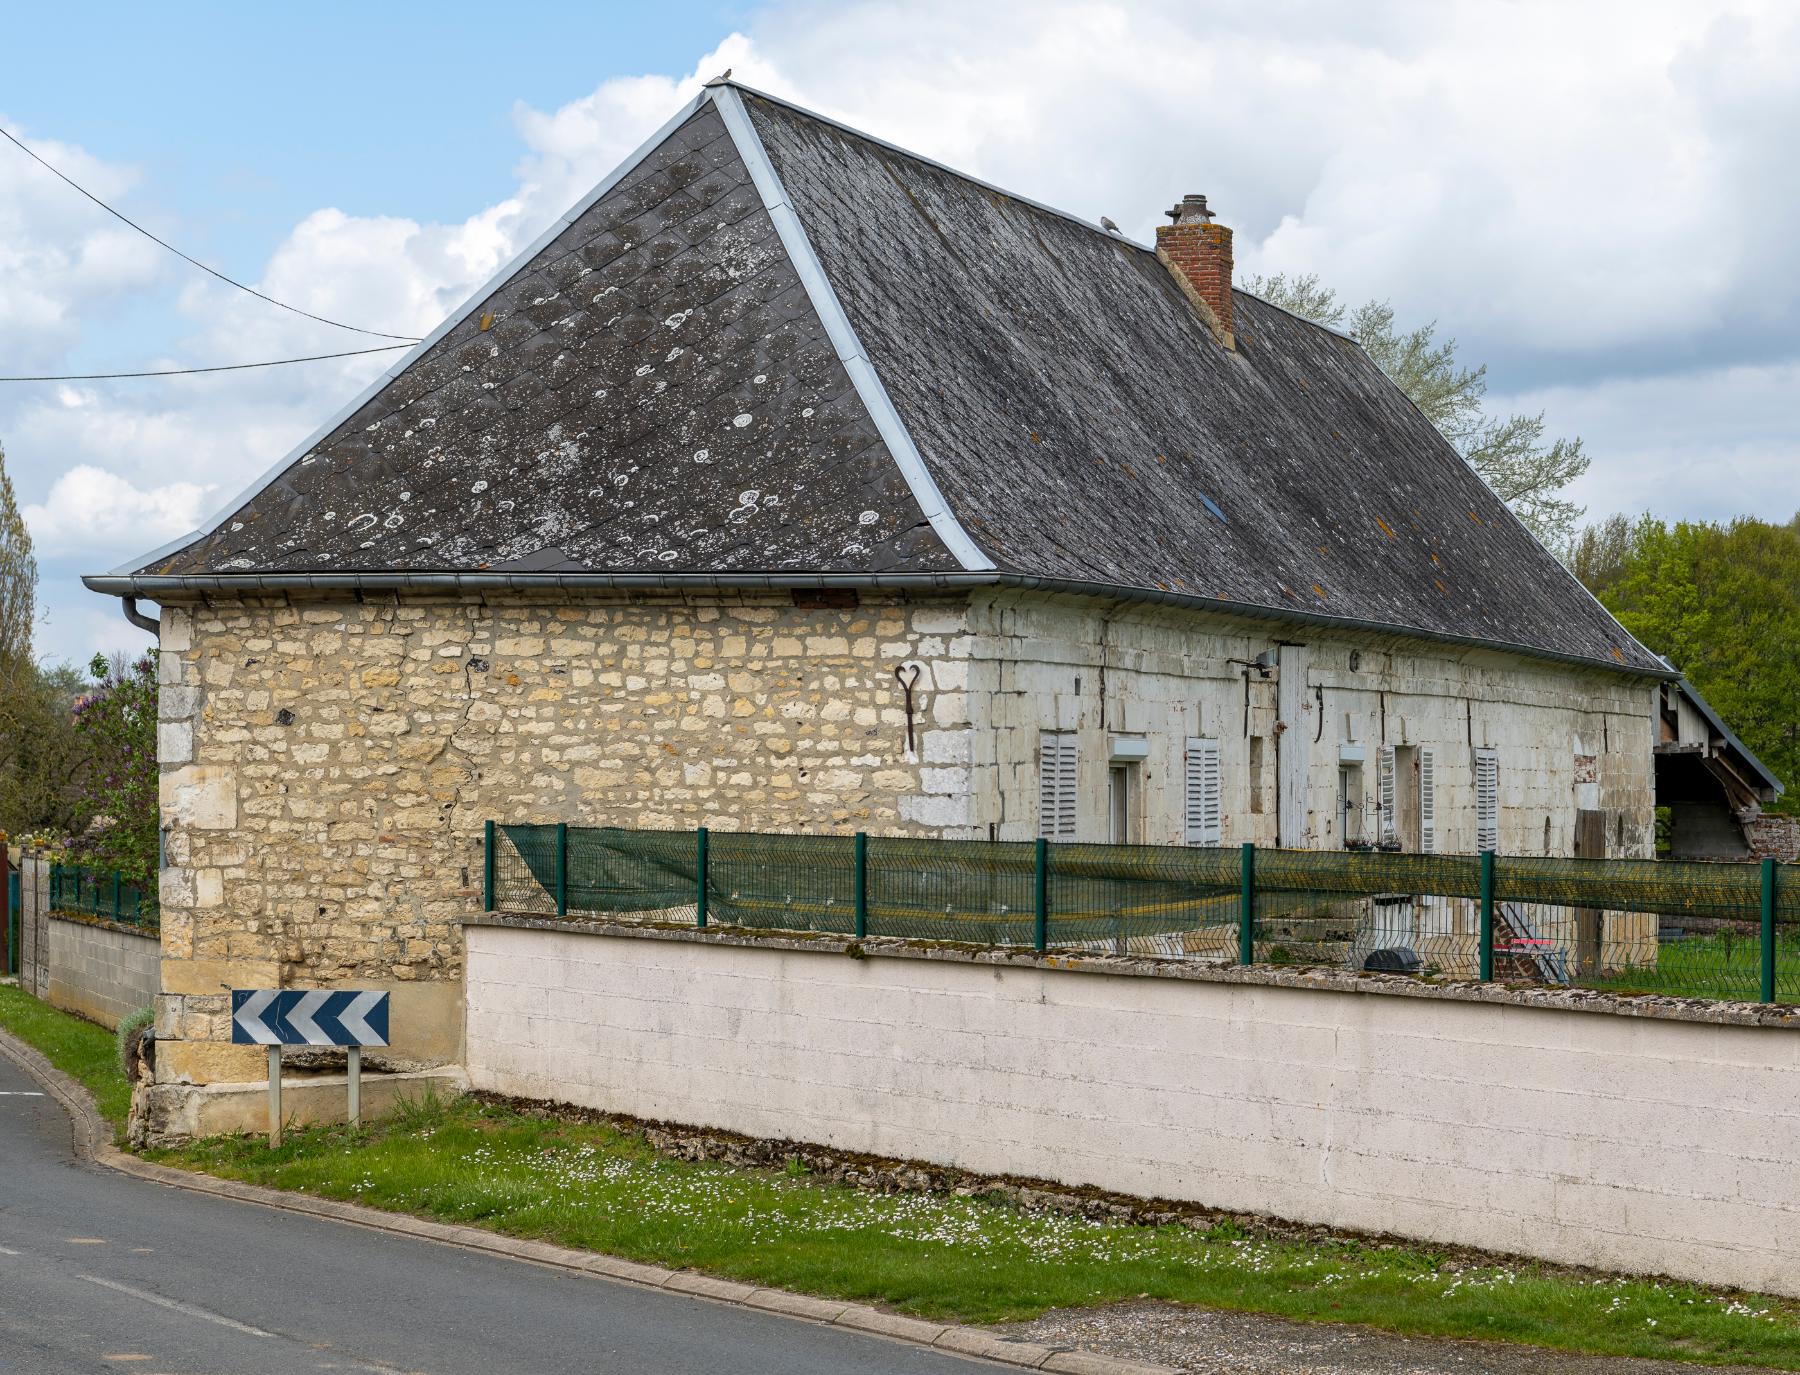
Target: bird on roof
point(722, 76)
point(1106, 223)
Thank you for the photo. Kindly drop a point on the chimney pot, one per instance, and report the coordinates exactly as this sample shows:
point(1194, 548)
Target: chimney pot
point(1197, 253)
point(1191, 209)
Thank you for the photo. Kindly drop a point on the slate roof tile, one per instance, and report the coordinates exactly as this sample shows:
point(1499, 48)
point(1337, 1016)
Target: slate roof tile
point(658, 390)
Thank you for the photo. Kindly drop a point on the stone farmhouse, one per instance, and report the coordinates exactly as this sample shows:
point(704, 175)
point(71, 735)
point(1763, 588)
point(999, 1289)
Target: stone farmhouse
point(793, 481)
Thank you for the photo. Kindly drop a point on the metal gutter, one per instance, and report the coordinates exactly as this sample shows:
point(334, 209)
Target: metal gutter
point(159, 586)
point(850, 350)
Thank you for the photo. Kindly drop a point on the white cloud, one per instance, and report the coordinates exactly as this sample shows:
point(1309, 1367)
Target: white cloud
point(90, 509)
point(1595, 198)
point(60, 260)
point(1719, 444)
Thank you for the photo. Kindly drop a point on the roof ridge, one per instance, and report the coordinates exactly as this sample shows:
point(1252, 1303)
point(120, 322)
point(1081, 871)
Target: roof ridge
point(1112, 236)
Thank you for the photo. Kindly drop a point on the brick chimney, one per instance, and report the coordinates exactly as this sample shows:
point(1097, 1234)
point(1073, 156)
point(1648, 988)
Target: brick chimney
point(1198, 253)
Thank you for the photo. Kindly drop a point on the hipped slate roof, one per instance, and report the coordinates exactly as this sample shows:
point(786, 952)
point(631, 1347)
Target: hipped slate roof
point(772, 350)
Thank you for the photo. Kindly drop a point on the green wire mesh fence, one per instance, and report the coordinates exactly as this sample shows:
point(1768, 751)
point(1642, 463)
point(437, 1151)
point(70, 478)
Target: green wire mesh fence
point(1639, 926)
point(102, 894)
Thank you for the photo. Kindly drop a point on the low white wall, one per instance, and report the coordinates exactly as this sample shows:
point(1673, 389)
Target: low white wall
point(1625, 1143)
point(100, 970)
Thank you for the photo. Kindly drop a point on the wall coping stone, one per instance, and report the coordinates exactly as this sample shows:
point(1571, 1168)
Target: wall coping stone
point(1656, 1007)
point(107, 924)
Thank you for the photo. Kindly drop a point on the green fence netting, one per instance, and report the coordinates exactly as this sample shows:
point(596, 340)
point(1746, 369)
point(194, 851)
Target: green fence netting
point(1628, 925)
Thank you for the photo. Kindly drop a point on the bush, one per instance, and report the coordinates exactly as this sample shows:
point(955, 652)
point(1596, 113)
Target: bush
point(136, 1028)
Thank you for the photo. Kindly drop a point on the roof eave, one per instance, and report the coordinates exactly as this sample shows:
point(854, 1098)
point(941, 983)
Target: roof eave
point(159, 586)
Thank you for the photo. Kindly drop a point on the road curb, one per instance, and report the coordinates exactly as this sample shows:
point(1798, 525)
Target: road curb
point(93, 1140)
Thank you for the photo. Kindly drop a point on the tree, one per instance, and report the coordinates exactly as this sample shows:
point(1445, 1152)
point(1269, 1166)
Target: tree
point(1722, 602)
point(43, 761)
point(117, 723)
point(1509, 452)
point(1599, 553)
point(18, 578)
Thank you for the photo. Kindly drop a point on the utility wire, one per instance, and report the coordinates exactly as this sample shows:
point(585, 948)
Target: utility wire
point(222, 367)
point(338, 324)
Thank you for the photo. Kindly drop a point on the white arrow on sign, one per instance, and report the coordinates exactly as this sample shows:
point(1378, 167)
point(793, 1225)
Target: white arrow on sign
point(300, 1017)
point(352, 1019)
point(250, 1017)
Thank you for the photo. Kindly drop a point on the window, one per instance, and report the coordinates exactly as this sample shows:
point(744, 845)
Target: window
point(1256, 775)
point(1056, 785)
point(1350, 803)
point(1202, 813)
point(1487, 800)
point(1121, 795)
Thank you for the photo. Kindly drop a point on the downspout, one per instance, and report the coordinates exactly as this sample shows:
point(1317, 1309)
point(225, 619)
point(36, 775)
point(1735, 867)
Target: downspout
point(139, 619)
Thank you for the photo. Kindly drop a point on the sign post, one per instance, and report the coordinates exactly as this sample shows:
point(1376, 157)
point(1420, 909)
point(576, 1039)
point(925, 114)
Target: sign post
point(274, 1097)
point(309, 1017)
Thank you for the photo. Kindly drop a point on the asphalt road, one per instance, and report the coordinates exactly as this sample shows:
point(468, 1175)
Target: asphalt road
point(102, 1272)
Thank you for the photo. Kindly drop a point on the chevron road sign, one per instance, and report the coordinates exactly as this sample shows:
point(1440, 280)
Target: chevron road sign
point(308, 1017)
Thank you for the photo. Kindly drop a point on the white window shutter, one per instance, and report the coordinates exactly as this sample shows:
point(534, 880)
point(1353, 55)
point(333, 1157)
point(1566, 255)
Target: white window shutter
point(1203, 805)
point(1427, 800)
point(1387, 793)
point(1056, 785)
point(1487, 800)
point(1065, 812)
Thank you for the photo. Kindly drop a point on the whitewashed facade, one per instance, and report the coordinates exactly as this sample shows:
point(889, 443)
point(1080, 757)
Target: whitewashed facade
point(1082, 720)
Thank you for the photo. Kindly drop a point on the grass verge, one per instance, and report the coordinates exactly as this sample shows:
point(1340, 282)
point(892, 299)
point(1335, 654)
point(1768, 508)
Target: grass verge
point(595, 1186)
point(78, 1048)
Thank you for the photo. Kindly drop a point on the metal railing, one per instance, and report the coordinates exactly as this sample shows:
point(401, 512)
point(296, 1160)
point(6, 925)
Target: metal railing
point(1724, 931)
point(99, 893)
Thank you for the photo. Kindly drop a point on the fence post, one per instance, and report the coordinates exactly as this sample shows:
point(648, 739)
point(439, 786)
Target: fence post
point(562, 868)
point(1040, 897)
point(1768, 930)
point(1247, 903)
point(700, 876)
point(862, 885)
point(487, 867)
point(1487, 915)
point(118, 907)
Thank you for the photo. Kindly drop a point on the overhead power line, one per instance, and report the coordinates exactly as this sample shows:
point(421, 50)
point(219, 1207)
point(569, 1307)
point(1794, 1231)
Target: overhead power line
point(221, 367)
point(229, 281)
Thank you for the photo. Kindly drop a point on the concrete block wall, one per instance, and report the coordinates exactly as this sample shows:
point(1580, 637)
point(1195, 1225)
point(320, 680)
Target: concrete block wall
point(101, 970)
point(1622, 1142)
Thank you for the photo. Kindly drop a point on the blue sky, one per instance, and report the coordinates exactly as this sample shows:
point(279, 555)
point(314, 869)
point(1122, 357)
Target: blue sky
point(242, 119)
point(1594, 200)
